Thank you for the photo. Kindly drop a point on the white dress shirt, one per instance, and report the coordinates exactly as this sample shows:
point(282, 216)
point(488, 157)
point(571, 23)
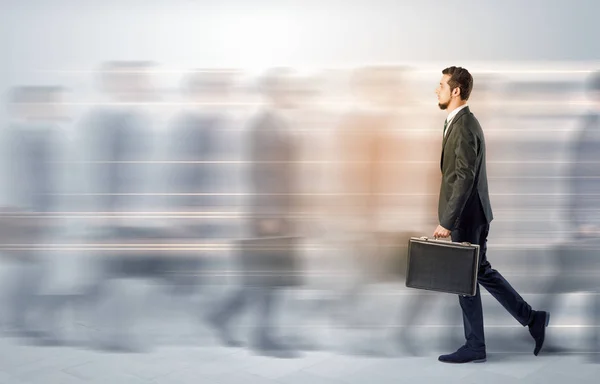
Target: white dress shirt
point(451, 116)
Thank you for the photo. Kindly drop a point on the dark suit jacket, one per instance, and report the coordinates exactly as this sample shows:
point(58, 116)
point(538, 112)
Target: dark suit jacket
point(464, 199)
point(272, 153)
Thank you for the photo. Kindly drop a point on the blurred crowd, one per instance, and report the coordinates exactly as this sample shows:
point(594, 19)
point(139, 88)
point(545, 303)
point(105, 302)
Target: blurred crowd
point(289, 196)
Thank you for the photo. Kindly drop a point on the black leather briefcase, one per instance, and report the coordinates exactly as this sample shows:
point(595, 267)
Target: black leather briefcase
point(442, 266)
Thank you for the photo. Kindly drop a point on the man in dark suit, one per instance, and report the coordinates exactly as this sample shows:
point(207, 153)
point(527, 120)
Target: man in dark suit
point(465, 213)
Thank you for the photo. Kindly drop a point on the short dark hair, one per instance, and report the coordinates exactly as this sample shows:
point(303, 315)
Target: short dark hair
point(461, 78)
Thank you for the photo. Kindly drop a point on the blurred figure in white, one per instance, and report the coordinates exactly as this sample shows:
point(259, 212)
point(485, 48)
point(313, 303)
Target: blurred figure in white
point(117, 144)
point(201, 179)
point(36, 144)
point(385, 197)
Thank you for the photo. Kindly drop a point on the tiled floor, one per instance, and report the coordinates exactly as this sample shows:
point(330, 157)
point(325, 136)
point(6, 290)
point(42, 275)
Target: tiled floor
point(218, 365)
point(183, 350)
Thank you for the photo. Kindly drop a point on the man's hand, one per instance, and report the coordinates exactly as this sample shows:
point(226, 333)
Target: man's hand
point(441, 232)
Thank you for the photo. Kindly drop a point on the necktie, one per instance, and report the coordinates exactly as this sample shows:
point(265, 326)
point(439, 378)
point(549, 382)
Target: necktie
point(445, 126)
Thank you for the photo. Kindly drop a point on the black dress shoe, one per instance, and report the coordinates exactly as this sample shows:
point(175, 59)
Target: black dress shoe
point(537, 329)
point(464, 355)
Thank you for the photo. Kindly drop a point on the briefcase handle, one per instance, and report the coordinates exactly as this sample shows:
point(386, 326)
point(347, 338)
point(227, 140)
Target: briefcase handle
point(436, 239)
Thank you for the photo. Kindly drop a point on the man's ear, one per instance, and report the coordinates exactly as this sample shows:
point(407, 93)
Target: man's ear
point(456, 92)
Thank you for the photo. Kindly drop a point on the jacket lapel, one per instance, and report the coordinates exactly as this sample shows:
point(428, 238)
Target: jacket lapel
point(449, 130)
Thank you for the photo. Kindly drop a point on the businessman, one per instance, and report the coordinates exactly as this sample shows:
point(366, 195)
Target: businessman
point(465, 213)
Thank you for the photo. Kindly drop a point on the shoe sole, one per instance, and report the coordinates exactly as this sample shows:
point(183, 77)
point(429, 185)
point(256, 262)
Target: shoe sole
point(466, 362)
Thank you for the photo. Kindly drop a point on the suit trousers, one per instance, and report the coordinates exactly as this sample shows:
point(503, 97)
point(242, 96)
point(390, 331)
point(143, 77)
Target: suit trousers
point(494, 283)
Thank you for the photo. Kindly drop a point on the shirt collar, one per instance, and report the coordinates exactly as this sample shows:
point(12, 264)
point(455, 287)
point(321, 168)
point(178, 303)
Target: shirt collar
point(452, 114)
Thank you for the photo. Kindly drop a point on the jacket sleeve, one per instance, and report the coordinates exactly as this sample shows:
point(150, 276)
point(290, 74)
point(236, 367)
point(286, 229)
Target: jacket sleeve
point(465, 166)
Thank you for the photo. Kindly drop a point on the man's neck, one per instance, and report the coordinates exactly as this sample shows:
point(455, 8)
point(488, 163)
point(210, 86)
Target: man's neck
point(450, 110)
